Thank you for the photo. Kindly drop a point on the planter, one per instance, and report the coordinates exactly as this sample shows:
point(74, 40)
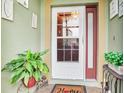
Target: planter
point(31, 82)
point(23, 89)
point(117, 69)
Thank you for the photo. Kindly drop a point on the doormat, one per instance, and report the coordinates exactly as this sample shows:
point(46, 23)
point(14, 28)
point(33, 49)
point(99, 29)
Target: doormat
point(62, 88)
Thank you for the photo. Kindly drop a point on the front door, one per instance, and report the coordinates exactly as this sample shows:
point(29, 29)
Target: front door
point(68, 42)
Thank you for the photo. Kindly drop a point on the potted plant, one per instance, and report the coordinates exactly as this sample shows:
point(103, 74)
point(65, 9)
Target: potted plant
point(115, 60)
point(28, 67)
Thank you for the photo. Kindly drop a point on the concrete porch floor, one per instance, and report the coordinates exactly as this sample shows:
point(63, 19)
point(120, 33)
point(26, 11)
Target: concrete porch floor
point(48, 89)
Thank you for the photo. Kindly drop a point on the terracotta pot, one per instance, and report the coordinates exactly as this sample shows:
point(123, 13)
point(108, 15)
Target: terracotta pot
point(31, 82)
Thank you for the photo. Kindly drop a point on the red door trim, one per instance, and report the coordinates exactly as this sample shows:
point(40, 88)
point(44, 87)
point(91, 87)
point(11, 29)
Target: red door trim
point(91, 72)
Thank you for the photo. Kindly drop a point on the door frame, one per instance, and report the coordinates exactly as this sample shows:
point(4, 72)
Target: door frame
point(67, 5)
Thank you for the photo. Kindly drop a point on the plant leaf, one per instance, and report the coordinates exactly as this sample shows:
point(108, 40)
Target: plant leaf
point(16, 61)
point(28, 55)
point(17, 65)
point(16, 75)
point(23, 74)
point(26, 78)
point(17, 72)
point(34, 64)
point(14, 79)
point(12, 65)
point(45, 68)
point(40, 65)
point(36, 56)
point(44, 52)
point(21, 55)
point(29, 67)
point(37, 75)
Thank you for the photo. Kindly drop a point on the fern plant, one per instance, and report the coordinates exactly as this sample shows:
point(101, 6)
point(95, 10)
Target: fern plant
point(115, 58)
point(26, 65)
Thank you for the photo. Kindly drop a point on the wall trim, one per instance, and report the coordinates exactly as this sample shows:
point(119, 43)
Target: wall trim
point(72, 4)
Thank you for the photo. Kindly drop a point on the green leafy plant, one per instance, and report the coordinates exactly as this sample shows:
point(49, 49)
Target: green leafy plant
point(26, 65)
point(115, 58)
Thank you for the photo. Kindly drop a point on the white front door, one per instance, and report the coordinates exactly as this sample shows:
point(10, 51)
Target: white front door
point(68, 27)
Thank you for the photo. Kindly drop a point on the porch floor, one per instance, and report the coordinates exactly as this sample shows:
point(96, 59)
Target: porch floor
point(48, 89)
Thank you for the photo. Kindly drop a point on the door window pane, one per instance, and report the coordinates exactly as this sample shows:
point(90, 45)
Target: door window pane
point(59, 43)
point(60, 18)
point(75, 55)
point(67, 55)
point(75, 43)
point(59, 30)
point(67, 43)
point(60, 55)
point(68, 24)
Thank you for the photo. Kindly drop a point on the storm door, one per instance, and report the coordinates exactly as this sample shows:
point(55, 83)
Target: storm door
point(68, 26)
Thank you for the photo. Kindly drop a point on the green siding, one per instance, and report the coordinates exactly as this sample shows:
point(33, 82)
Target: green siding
point(115, 32)
point(42, 25)
point(17, 36)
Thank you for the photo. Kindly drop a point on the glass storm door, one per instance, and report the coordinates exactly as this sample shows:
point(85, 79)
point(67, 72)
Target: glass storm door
point(67, 42)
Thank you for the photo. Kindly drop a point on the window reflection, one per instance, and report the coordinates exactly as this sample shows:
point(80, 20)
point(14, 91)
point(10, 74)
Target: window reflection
point(68, 36)
point(75, 43)
point(67, 43)
point(59, 30)
point(68, 24)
